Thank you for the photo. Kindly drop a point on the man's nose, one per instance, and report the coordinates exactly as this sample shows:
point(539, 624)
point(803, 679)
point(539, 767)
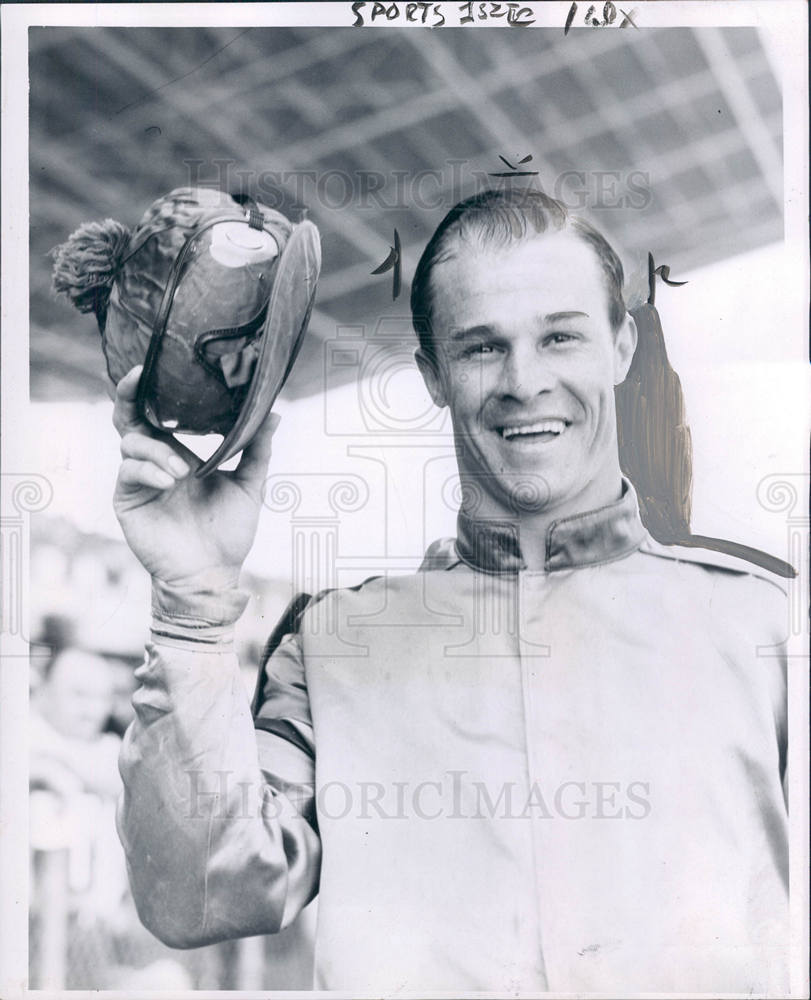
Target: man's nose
point(525, 374)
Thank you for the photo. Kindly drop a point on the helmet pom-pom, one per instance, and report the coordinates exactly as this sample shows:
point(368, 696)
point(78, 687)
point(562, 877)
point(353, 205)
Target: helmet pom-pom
point(86, 265)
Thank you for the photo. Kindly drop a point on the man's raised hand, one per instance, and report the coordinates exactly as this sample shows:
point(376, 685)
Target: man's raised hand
point(181, 527)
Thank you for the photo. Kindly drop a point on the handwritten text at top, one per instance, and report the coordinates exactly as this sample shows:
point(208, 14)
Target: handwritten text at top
point(510, 13)
point(432, 15)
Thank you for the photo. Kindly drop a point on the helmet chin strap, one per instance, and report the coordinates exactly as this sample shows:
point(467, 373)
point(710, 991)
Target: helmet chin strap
point(219, 351)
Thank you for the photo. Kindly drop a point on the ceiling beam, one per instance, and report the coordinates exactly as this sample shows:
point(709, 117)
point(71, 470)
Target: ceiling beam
point(747, 115)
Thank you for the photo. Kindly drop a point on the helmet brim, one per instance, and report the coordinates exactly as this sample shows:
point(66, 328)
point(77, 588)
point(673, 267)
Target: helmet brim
point(289, 309)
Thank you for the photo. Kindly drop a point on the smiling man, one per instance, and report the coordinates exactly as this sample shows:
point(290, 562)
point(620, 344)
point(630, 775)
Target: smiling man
point(553, 759)
point(524, 340)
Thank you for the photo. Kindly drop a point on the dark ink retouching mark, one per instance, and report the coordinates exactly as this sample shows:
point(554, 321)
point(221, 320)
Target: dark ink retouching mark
point(522, 161)
point(177, 79)
point(664, 273)
point(392, 262)
point(655, 446)
point(514, 171)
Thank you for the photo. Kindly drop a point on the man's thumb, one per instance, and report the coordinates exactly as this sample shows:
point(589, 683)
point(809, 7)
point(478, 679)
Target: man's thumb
point(256, 455)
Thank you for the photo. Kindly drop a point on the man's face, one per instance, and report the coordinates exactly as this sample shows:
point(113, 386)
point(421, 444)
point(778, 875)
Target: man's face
point(527, 364)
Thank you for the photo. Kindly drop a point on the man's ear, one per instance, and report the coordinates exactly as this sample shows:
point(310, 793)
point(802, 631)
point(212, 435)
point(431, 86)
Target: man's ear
point(625, 340)
point(432, 377)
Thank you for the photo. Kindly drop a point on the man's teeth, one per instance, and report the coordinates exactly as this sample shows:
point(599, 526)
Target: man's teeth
point(541, 427)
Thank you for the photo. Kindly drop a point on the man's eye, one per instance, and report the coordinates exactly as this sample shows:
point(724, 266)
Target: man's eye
point(477, 350)
point(560, 338)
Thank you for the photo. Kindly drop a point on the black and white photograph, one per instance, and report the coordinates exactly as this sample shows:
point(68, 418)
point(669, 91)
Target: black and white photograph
point(404, 547)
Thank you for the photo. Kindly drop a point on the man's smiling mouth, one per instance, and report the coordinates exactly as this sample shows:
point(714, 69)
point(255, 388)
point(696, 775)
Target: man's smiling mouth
point(539, 430)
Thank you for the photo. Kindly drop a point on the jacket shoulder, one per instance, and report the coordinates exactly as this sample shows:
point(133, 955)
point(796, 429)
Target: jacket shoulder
point(723, 563)
point(440, 554)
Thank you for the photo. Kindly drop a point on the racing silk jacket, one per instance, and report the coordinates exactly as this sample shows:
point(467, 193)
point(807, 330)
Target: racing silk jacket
point(494, 778)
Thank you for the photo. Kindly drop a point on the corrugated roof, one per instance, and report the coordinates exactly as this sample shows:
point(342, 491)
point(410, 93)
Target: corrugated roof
point(668, 139)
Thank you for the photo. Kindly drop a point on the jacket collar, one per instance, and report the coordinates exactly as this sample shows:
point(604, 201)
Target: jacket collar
point(596, 536)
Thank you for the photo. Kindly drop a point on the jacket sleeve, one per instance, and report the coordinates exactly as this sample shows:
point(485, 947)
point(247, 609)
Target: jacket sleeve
point(217, 816)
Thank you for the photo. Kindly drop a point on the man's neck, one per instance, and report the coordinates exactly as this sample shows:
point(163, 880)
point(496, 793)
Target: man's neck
point(533, 526)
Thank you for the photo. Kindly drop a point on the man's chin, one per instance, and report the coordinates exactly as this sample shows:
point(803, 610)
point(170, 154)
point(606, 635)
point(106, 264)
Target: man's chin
point(516, 483)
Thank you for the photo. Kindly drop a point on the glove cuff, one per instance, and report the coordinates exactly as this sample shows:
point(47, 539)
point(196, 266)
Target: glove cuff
point(203, 609)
